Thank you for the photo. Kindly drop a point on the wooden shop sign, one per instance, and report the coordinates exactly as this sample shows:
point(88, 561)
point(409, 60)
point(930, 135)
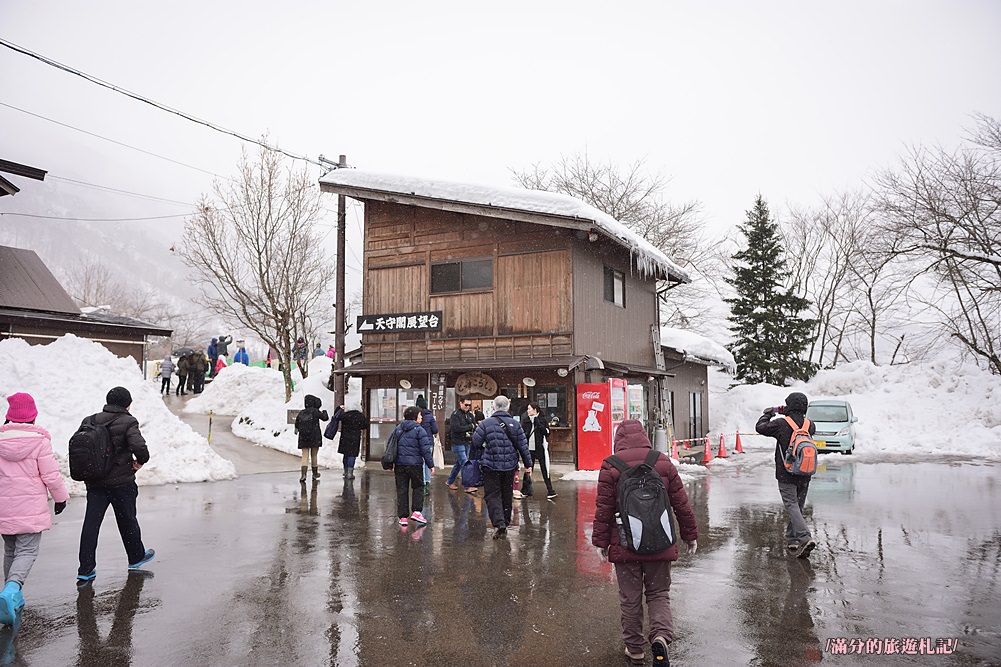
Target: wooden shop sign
point(475, 383)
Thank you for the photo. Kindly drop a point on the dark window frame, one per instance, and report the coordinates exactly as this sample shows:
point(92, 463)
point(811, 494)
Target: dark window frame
point(610, 277)
point(462, 287)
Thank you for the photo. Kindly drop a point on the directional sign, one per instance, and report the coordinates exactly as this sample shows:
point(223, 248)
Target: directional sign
point(400, 322)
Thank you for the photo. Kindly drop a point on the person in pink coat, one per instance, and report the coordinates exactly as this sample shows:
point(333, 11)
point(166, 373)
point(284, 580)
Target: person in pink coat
point(28, 474)
point(220, 364)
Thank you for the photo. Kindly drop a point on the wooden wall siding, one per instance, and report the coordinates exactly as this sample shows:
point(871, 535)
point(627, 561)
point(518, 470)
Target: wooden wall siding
point(471, 313)
point(534, 293)
point(396, 289)
point(601, 328)
point(532, 268)
point(459, 349)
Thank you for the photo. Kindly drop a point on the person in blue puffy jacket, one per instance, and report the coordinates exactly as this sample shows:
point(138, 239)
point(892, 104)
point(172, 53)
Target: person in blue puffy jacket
point(414, 451)
point(502, 440)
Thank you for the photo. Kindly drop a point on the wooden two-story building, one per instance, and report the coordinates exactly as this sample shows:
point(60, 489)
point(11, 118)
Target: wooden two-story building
point(481, 291)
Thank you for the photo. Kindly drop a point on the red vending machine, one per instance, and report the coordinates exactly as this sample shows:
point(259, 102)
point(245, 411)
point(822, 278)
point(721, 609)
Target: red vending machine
point(600, 410)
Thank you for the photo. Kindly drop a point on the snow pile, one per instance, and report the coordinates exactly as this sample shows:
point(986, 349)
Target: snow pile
point(231, 390)
point(69, 379)
point(255, 396)
point(696, 347)
point(944, 407)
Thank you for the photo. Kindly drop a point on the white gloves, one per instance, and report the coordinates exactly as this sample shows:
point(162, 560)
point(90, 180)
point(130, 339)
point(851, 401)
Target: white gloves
point(692, 546)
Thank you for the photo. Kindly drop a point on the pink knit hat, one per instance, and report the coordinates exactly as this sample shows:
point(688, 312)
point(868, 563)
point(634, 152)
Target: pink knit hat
point(21, 408)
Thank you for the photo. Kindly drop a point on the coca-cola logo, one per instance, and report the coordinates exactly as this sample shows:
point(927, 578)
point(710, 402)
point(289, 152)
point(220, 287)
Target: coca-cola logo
point(591, 394)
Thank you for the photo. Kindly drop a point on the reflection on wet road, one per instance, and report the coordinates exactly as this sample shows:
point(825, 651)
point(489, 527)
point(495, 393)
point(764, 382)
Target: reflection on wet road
point(263, 571)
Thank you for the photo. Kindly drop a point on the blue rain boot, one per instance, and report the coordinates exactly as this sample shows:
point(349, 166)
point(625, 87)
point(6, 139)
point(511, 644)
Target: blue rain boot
point(11, 602)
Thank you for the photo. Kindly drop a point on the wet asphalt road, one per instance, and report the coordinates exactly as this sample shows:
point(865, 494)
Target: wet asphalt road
point(261, 571)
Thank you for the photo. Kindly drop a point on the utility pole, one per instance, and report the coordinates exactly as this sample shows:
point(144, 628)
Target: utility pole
point(338, 377)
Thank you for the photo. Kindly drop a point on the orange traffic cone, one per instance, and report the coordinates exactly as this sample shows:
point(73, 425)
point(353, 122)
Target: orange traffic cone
point(722, 447)
point(674, 450)
point(707, 454)
point(738, 448)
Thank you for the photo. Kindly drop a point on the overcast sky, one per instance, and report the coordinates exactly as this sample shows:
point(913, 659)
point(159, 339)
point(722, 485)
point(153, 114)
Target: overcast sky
point(791, 99)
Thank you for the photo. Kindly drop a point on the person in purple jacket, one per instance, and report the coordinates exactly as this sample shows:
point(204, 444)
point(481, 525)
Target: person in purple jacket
point(28, 474)
point(638, 573)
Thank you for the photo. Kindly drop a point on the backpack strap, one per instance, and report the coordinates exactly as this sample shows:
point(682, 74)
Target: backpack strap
point(506, 431)
point(652, 457)
point(617, 463)
point(796, 427)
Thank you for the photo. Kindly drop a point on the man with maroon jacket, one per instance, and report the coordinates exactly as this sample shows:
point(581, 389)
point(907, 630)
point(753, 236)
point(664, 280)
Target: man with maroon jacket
point(636, 572)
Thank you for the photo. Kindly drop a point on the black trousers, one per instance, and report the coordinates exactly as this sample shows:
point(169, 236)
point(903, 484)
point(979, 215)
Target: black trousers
point(498, 486)
point(199, 382)
point(181, 380)
point(123, 500)
point(165, 385)
point(412, 477)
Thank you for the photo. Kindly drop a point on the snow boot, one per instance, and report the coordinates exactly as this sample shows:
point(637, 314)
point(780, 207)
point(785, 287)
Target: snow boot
point(11, 602)
point(302, 477)
point(316, 473)
point(350, 473)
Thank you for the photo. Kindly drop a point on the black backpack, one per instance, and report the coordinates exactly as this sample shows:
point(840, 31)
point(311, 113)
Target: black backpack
point(389, 456)
point(644, 516)
point(91, 453)
point(306, 424)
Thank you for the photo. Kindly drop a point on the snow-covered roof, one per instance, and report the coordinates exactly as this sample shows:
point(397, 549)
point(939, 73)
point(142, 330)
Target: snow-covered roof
point(696, 347)
point(501, 202)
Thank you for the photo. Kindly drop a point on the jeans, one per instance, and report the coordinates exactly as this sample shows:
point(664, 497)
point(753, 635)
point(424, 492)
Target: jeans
point(123, 500)
point(349, 461)
point(409, 476)
point(461, 456)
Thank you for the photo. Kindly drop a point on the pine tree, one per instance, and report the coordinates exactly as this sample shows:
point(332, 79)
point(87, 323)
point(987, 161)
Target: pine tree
point(770, 333)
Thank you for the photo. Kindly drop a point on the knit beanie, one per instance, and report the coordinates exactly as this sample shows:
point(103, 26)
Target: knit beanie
point(120, 396)
point(21, 408)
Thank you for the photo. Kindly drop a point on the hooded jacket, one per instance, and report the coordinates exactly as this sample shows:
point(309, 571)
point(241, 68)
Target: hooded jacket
point(166, 366)
point(352, 424)
point(778, 428)
point(128, 443)
point(632, 445)
point(414, 445)
point(501, 446)
point(307, 423)
point(28, 474)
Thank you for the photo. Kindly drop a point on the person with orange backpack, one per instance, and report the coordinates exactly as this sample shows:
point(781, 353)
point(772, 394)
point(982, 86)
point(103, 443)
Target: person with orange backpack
point(795, 463)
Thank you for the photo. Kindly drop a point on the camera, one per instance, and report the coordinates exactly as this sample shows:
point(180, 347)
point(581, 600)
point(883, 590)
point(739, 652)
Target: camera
point(780, 409)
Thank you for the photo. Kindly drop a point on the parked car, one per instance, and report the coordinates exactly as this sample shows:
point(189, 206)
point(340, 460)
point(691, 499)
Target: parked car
point(835, 425)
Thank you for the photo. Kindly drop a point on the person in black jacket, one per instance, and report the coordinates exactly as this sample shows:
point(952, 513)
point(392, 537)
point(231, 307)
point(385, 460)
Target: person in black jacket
point(307, 426)
point(536, 429)
point(792, 488)
point(413, 453)
point(118, 488)
point(352, 424)
point(461, 425)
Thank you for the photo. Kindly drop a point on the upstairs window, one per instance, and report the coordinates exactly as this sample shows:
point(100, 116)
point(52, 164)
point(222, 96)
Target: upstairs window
point(464, 276)
point(615, 287)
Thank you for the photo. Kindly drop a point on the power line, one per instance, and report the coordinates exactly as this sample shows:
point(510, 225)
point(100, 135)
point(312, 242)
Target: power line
point(124, 192)
point(56, 217)
point(158, 105)
point(162, 157)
